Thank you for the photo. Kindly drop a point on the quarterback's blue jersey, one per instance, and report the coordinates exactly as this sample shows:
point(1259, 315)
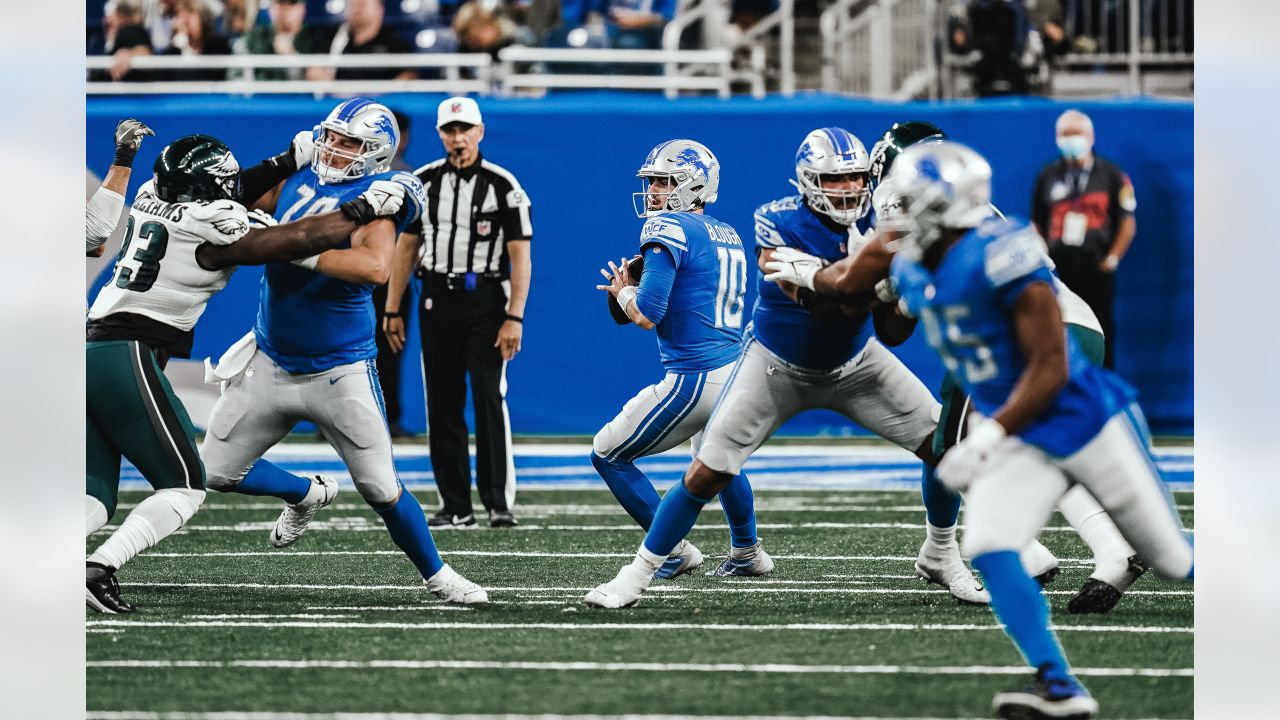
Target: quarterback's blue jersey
point(782, 325)
point(702, 328)
point(966, 306)
point(309, 322)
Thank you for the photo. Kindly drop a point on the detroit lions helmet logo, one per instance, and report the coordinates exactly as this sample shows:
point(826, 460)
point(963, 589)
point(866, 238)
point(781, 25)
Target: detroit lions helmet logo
point(804, 153)
point(689, 157)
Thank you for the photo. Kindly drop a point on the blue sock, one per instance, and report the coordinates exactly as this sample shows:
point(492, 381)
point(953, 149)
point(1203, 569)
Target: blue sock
point(676, 515)
point(264, 478)
point(740, 510)
point(1018, 603)
point(631, 487)
point(408, 527)
point(941, 505)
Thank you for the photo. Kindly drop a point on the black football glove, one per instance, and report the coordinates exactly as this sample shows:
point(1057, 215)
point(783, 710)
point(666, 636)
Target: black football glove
point(129, 134)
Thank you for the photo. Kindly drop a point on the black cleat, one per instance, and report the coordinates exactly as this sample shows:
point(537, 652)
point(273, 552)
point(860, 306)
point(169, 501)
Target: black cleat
point(502, 518)
point(446, 520)
point(1095, 597)
point(1049, 698)
point(102, 592)
point(1048, 576)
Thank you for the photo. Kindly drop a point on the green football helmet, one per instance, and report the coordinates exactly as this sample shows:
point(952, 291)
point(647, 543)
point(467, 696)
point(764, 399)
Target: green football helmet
point(896, 139)
point(197, 168)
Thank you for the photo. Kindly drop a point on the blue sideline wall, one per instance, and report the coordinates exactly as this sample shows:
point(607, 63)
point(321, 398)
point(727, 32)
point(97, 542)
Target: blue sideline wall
point(577, 155)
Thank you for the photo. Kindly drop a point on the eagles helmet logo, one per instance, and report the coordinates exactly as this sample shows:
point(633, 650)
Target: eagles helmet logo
point(225, 166)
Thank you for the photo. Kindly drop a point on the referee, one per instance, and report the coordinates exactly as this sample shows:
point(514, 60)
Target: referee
point(472, 252)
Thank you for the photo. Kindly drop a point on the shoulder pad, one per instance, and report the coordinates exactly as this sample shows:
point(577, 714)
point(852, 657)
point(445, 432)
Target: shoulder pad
point(148, 190)
point(665, 229)
point(228, 221)
point(1016, 252)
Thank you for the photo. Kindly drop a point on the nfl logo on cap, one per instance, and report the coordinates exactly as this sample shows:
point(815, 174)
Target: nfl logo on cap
point(458, 109)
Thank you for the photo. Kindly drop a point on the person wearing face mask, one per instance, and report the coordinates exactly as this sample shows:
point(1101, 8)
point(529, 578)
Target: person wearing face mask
point(1083, 206)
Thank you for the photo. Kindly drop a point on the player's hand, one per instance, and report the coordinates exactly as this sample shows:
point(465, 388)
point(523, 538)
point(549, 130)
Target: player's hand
point(618, 277)
point(303, 148)
point(259, 218)
point(963, 462)
point(393, 328)
point(383, 198)
point(887, 291)
point(129, 134)
point(509, 336)
point(792, 266)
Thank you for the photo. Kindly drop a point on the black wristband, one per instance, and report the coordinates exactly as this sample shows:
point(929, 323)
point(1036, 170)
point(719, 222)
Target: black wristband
point(515, 318)
point(358, 211)
point(389, 314)
point(124, 156)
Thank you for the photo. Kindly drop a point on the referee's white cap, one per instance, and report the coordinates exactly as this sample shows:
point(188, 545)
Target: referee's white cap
point(458, 109)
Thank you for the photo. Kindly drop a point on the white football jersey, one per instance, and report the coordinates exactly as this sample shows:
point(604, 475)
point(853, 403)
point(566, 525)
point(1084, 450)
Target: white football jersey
point(156, 274)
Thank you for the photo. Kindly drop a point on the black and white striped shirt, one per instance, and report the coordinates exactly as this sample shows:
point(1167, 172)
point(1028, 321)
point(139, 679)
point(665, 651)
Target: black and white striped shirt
point(471, 215)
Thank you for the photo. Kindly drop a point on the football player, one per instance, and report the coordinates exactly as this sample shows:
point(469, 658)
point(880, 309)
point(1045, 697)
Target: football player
point(796, 358)
point(691, 292)
point(102, 214)
point(310, 355)
point(1045, 417)
point(186, 233)
point(1116, 566)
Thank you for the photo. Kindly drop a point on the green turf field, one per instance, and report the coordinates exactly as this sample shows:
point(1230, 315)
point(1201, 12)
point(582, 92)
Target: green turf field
point(339, 623)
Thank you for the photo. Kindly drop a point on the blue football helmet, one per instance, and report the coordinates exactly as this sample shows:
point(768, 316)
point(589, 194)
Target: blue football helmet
point(834, 151)
point(692, 169)
point(369, 122)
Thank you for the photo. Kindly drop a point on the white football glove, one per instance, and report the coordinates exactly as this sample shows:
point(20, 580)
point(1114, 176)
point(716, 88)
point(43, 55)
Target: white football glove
point(385, 197)
point(793, 266)
point(304, 148)
point(886, 291)
point(963, 462)
point(261, 219)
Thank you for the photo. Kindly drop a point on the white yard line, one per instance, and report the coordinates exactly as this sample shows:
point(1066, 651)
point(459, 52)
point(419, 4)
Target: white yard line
point(361, 523)
point(253, 621)
point(606, 509)
point(233, 715)
point(580, 666)
point(541, 554)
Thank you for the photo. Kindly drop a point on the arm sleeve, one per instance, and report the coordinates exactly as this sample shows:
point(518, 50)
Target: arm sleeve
point(257, 180)
point(101, 217)
point(516, 223)
point(656, 283)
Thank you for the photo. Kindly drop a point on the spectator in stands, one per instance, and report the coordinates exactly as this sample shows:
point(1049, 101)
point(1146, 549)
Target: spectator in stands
point(1047, 18)
point(234, 20)
point(159, 16)
point(194, 33)
point(125, 37)
point(364, 33)
point(481, 27)
point(999, 36)
point(746, 13)
point(288, 34)
point(1083, 207)
point(637, 24)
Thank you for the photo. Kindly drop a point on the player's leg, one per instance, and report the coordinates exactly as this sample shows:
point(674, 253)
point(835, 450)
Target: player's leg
point(1117, 468)
point(1007, 505)
point(495, 463)
point(102, 475)
point(253, 413)
point(879, 393)
point(445, 384)
point(133, 405)
point(346, 404)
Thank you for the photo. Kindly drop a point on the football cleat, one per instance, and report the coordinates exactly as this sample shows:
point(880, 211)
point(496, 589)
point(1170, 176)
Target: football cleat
point(684, 558)
point(502, 518)
point(449, 585)
point(1049, 698)
point(1099, 596)
point(750, 562)
point(102, 591)
point(445, 520)
point(944, 566)
point(293, 519)
point(622, 591)
point(1039, 562)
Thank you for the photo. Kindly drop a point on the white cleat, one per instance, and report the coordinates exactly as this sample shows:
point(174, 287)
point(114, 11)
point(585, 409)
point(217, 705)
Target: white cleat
point(293, 519)
point(1039, 562)
point(686, 557)
point(944, 566)
point(744, 562)
point(449, 585)
point(622, 591)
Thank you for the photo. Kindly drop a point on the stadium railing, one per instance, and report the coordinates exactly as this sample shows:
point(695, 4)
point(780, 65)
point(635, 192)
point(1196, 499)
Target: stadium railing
point(858, 34)
point(716, 63)
point(751, 47)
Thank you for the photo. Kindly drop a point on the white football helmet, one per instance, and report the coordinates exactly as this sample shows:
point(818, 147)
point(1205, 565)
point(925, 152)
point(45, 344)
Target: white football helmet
point(367, 121)
point(935, 186)
point(692, 168)
point(834, 151)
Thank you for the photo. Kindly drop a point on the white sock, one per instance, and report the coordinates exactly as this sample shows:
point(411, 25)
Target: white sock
point(95, 515)
point(648, 561)
point(744, 553)
point(153, 520)
point(1111, 552)
point(938, 537)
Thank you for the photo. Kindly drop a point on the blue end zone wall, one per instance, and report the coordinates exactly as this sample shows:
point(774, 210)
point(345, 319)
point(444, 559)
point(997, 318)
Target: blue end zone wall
point(577, 155)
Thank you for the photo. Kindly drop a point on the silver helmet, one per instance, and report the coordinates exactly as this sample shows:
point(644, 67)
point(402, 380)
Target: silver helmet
point(369, 122)
point(693, 171)
point(937, 185)
point(834, 151)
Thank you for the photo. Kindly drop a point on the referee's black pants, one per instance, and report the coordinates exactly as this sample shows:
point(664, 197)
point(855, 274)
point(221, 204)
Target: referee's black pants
point(459, 328)
point(1079, 270)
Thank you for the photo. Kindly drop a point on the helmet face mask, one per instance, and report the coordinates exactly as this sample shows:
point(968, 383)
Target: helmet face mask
point(369, 123)
point(932, 188)
point(896, 139)
point(690, 174)
point(834, 154)
point(196, 168)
